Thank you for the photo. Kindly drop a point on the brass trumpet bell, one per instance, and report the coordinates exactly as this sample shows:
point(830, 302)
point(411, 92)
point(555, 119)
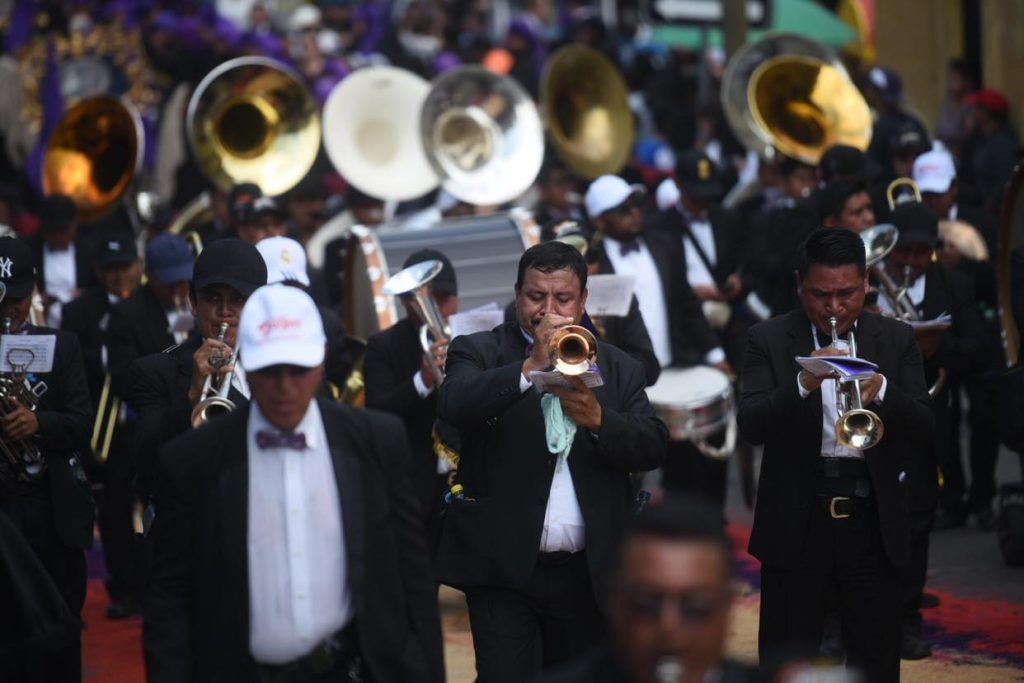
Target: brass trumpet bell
point(879, 240)
point(859, 428)
point(586, 111)
point(791, 94)
point(482, 134)
point(573, 349)
point(252, 120)
point(93, 155)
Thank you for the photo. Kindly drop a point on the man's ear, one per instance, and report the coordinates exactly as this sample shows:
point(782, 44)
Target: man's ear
point(799, 283)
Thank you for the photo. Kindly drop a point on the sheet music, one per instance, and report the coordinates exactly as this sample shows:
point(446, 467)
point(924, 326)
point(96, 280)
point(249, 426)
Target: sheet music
point(935, 325)
point(542, 380)
point(28, 352)
point(479, 319)
point(609, 294)
point(847, 368)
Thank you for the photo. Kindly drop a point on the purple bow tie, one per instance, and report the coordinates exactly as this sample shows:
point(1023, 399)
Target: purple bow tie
point(296, 441)
point(626, 247)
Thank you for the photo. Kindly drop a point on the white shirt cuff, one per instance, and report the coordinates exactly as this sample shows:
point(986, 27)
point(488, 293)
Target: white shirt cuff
point(800, 387)
point(714, 356)
point(421, 386)
point(524, 383)
point(881, 392)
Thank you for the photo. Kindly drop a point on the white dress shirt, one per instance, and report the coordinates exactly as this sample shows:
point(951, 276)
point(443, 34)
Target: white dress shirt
point(298, 578)
point(697, 274)
point(830, 448)
point(563, 518)
point(650, 296)
point(59, 280)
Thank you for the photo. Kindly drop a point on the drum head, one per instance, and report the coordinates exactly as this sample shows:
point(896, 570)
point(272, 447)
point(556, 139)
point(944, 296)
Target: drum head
point(694, 402)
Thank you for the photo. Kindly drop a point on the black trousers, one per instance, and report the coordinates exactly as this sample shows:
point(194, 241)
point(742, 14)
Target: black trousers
point(687, 470)
point(845, 556)
point(32, 513)
point(517, 634)
point(115, 505)
point(982, 419)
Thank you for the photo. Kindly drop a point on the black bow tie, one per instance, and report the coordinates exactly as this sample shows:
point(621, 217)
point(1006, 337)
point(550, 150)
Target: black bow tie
point(268, 439)
point(825, 338)
point(626, 247)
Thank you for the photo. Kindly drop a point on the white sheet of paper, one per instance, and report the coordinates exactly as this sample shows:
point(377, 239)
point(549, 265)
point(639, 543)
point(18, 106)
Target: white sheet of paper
point(936, 325)
point(183, 323)
point(27, 352)
point(609, 294)
point(479, 319)
point(553, 378)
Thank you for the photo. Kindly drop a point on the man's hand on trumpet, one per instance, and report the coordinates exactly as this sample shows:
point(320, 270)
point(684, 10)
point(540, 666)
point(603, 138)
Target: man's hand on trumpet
point(810, 381)
point(212, 358)
point(439, 353)
point(579, 403)
point(20, 423)
point(539, 359)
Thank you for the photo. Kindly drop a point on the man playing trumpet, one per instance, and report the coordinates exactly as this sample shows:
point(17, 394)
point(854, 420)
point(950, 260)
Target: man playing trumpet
point(831, 518)
point(542, 498)
point(168, 386)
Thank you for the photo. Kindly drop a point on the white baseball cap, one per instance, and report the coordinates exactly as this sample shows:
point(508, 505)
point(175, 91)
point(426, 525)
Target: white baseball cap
point(607, 192)
point(934, 171)
point(286, 260)
point(280, 325)
point(667, 194)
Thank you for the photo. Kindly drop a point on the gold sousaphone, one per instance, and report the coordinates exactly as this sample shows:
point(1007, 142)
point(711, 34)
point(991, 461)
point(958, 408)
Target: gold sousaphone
point(586, 111)
point(93, 154)
point(791, 94)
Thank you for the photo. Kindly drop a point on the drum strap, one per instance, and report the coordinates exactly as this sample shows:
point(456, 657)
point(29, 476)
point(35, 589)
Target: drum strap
point(700, 250)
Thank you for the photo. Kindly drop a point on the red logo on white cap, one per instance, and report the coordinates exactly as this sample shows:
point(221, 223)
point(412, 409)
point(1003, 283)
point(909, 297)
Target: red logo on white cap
point(279, 323)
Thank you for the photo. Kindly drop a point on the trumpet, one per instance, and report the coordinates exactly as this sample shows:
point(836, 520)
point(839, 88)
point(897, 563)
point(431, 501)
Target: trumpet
point(857, 427)
point(22, 460)
point(572, 349)
point(215, 402)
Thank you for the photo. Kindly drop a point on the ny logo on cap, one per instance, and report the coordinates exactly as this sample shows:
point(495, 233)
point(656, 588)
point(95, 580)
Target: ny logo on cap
point(5, 266)
point(703, 169)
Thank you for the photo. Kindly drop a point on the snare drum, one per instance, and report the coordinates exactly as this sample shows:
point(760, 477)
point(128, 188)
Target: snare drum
point(694, 402)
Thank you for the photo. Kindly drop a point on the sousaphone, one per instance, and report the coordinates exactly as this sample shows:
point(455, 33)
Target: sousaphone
point(586, 111)
point(791, 94)
point(252, 120)
point(93, 155)
point(371, 124)
point(482, 134)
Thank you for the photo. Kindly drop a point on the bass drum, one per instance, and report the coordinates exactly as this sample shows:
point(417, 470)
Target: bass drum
point(696, 403)
point(484, 250)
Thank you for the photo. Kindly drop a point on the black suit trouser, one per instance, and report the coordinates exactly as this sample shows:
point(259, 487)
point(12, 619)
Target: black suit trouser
point(115, 508)
point(845, 556)
point(517, 634)
point(687, 470)
point(32, 513)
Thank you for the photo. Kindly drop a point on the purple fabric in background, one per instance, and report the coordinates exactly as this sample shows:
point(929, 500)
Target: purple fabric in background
point(20, 28)
point(53, 109)
point(374, 15)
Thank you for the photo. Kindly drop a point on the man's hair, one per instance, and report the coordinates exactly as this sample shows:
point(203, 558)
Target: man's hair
point(550, 257)
point(835, 194)
point(831, 247)
point(678, 518)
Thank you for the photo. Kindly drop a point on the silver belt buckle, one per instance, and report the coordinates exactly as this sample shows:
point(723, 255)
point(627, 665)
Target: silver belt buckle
point(832, 507)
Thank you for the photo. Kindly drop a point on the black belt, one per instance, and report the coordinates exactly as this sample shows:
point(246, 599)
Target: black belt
point(844, 507)
point(558, 557)
point(338, 653)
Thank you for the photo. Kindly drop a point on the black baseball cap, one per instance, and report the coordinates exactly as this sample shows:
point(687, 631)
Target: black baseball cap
point(445, 281)
point(115, 251)
point(56, 212)
point(17, 268)
point(844, 161)
point(233, 262)
point(916, 222)
point(697, 175)
point(242, 210)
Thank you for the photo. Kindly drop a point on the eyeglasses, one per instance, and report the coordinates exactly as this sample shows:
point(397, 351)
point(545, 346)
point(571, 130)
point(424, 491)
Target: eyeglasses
point(693, 608)
point(625, 208)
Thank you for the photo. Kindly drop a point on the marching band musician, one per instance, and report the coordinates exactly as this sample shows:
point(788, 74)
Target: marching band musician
point(545, 491)
point(400, 379)
point(831, 517)
point(167, 386)
point(933, 289)
point(287, 546)
point(49, 500)
point(118, 269)
point(671, 311)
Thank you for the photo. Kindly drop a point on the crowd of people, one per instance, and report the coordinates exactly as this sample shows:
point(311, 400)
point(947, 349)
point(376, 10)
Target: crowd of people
point(194, 395)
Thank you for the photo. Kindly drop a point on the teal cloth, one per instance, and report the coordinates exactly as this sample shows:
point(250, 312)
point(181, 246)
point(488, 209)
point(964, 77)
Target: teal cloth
point(559, 427)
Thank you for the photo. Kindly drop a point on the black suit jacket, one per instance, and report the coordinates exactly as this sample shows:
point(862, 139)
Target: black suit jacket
point(64, 412)
point(160, 384)
point(392, 358)
point(689, 334)
point(85, 275)
point(492, 537)
point(87, 317)
point(727, 229)
point(138, 327)
point(772, 413)
point(197, 603)
point(961, 347)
